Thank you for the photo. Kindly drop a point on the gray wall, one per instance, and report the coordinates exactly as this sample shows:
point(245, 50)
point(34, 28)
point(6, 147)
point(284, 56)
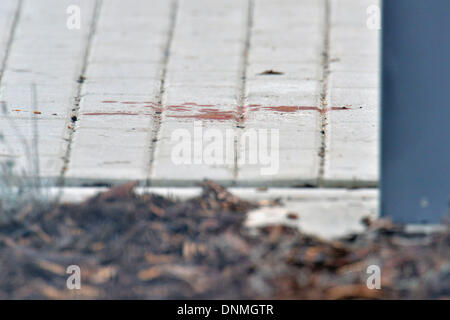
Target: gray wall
point(415, 177)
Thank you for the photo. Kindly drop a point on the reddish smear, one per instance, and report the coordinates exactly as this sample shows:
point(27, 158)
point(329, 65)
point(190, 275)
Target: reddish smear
point(251, 107)
point(241, 109)
point(207, 110)
point(220, 115)
point(179, 108)
point(208, 113)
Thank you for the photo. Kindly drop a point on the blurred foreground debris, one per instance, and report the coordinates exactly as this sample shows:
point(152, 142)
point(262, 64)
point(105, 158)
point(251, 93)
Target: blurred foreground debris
point(150, 247)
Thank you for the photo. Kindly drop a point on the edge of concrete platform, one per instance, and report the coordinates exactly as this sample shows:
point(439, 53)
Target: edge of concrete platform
point(354, 183)
point(79, 194)
point(328, 213)
point(184, 183)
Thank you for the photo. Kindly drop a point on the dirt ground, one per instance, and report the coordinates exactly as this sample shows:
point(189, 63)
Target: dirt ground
point(132, 246)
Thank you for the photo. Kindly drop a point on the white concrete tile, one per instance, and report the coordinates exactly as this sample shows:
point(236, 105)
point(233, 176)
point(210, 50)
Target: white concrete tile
point(120, 93)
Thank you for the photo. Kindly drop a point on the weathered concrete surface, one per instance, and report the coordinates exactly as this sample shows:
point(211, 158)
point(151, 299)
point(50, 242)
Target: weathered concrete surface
point(285, 103)
point(201, 91)
point(155, 72)
point(112, 138)
point(351, 153)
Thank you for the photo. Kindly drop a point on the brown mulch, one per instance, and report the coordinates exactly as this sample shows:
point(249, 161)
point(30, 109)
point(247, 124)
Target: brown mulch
point(132, 246)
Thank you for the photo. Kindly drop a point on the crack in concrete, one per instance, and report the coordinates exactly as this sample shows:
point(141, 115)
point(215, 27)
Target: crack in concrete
point(324, 91)
point(157, 116)
point(241, 110)
point(77, 96)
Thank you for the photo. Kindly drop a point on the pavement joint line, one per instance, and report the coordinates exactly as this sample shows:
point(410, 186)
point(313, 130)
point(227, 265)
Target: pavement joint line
point(77, 97)
point(324, 91)
point(157, 117)
point(242, 96)
point(12, 33)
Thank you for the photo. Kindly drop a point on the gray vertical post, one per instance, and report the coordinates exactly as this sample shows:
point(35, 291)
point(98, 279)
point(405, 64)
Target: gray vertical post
point(415, 148)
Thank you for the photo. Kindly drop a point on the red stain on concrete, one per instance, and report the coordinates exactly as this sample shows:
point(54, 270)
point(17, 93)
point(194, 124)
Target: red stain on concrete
point(282, 109)
point(154, 107)
point(181, 108)
point(219, 115)
point(292, 108)
point(206, 112)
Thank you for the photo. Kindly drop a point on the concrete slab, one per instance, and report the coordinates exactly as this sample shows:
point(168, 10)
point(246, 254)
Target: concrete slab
point(262, 92)
point(208, 40)
point(282, 91)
